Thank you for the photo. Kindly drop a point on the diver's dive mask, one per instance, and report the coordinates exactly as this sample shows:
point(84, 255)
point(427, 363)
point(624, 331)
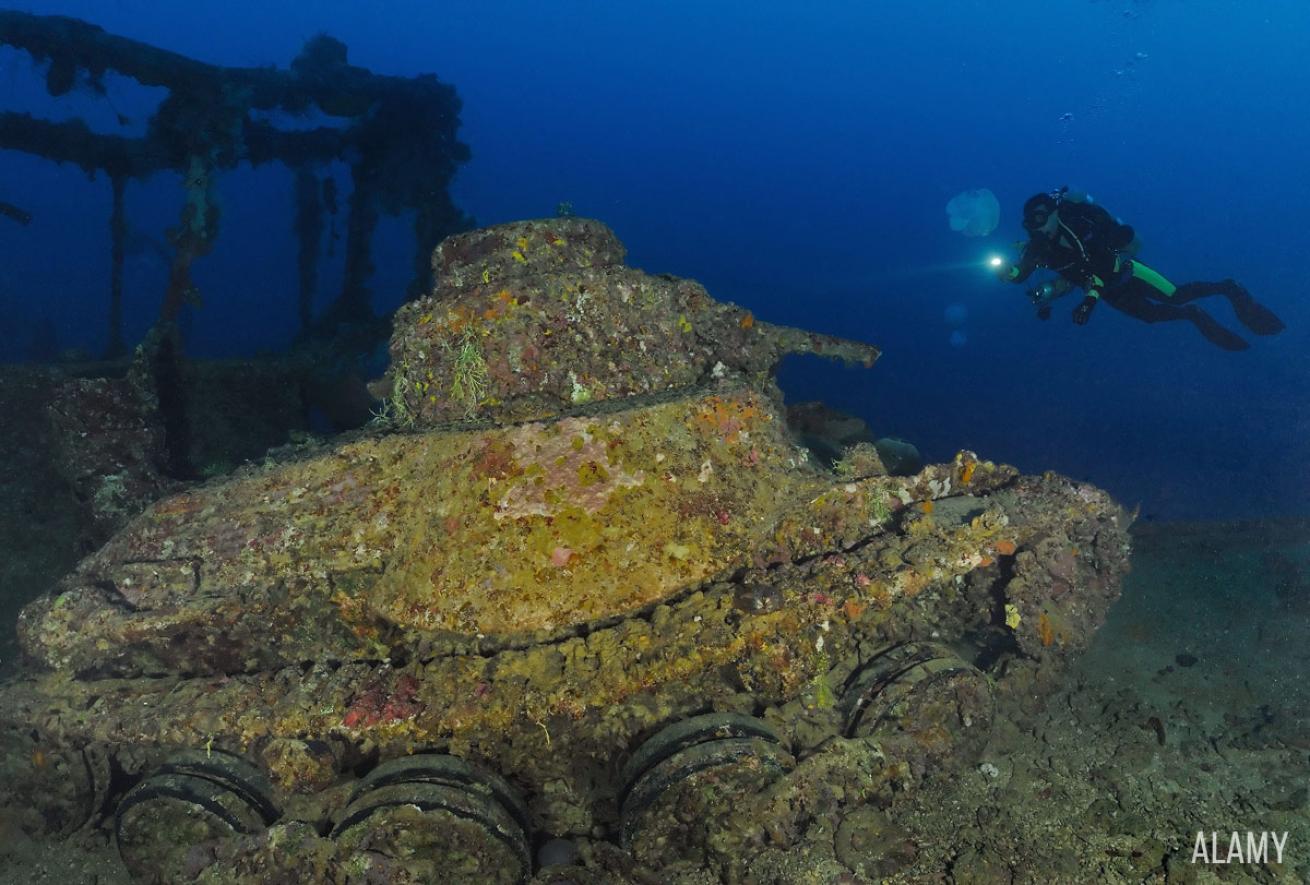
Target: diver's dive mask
point(1036, 220)
point(1039, 208)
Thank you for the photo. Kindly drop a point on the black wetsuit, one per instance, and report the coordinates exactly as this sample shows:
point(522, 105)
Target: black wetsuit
point(1088, 250)
point(1087, 242)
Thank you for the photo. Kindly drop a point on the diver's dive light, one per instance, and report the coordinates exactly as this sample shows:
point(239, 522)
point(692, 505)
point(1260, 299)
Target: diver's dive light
point(995, 261)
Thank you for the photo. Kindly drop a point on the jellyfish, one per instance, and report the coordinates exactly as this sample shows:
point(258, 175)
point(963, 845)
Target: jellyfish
point(959, 338)
point(974, 213)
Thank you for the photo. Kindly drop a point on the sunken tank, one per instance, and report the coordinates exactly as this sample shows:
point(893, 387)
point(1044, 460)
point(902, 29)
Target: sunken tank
point(579, 607)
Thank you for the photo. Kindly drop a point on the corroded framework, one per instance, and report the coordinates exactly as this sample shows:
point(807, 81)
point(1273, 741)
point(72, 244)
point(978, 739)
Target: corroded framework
point(397, 135)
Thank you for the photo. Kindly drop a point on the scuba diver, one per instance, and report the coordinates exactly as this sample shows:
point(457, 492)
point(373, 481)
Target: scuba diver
point(1090, 250)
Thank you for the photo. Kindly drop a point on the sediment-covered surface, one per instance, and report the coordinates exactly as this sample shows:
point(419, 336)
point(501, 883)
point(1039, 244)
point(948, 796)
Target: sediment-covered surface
point(87, 448)
point(38, 530)
point(1079, 789)
point(628, 611)
point(537, 317)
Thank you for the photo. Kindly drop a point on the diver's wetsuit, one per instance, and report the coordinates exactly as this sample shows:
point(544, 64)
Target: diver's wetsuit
point(1088, 250)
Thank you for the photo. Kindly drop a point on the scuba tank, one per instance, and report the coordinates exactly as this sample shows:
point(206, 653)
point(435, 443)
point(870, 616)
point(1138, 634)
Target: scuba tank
point(1065, 195)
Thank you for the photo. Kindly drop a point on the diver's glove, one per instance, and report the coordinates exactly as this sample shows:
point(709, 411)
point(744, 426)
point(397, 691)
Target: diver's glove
point(1083, 312)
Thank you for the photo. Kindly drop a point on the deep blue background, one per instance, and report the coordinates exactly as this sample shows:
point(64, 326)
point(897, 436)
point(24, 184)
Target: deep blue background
point(798, 163)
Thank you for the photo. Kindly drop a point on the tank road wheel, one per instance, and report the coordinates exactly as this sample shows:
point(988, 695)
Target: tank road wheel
point(195, 797)
point(924, 704)
point(441, 820)
point(684, 783)
point(50, 789)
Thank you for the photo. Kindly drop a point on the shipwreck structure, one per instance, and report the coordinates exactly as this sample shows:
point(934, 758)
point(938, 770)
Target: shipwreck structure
point(396, 135)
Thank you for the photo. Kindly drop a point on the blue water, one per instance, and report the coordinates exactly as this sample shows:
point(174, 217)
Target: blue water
point(799, 162)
